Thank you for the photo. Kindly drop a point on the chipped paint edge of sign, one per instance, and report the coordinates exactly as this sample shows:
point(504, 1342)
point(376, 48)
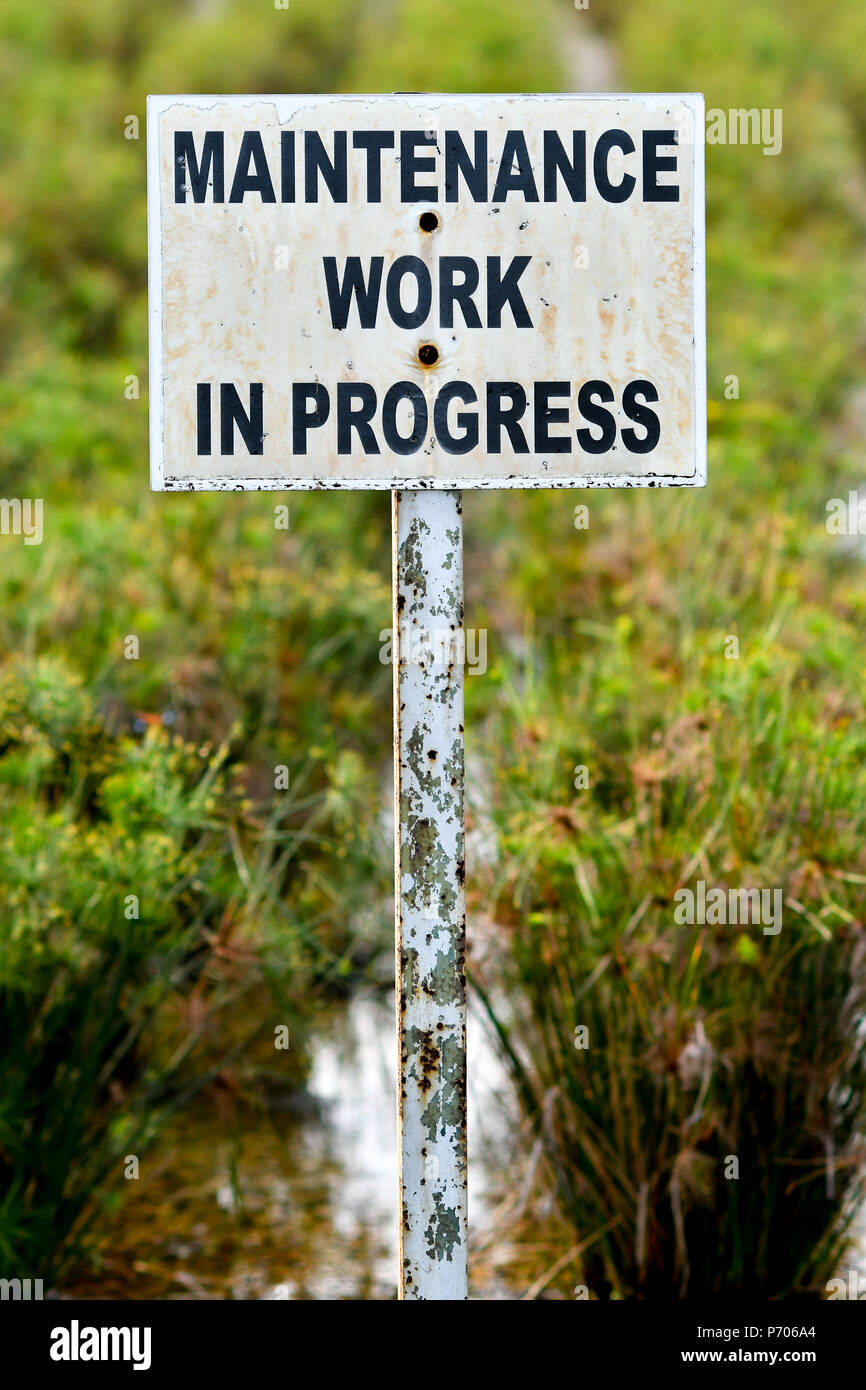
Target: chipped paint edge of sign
point(156, 105)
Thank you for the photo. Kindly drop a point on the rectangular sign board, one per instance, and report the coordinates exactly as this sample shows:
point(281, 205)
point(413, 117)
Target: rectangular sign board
point(426, 291)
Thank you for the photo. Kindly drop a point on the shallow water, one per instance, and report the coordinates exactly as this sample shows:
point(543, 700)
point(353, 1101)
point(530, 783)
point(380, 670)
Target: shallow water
point(297, 1204)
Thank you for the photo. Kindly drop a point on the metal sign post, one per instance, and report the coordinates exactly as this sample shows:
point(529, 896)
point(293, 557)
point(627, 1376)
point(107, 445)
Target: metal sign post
point(429, 893)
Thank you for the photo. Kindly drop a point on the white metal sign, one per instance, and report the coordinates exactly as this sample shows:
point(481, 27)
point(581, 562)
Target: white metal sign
point(426, 291)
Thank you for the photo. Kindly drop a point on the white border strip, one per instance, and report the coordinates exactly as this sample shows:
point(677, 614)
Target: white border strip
point(154, 293)
point(696, 103)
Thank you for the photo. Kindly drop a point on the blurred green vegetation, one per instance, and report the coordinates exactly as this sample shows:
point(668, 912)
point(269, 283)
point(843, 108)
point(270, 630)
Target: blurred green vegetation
point(258, 641)
point(157, 924)
point(613, 643)
point(607, 649)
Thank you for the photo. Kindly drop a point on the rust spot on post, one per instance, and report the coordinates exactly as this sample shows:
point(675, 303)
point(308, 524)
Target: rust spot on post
point(429, 892)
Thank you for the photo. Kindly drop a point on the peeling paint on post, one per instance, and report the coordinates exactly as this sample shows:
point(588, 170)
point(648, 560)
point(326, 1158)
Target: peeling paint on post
point(429, 893)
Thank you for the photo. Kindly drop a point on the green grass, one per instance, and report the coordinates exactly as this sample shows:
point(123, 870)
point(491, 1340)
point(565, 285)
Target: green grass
point(156, 923)
point(259, 642)
point(743, 771)
point(607, 648)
